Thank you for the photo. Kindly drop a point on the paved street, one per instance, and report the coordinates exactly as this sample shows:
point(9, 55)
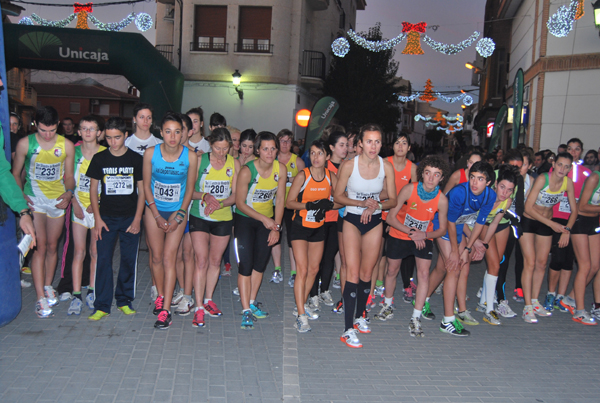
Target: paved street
point(124, 359)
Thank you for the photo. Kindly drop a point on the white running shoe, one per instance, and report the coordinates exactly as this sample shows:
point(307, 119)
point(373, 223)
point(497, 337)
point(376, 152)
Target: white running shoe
point(312, 314)
point(302, 324)
point(25, 284)
point(50, 294)
point(313, 303)
point(351, 339)
point(42, 309)
point(65, 296)
point(362, 325)
point(504, 310)
point(236, 291)
point(75, 307)
point(528, 315)
point(185, 306)
point(539, 310)
point(326, 298)
point(177, 298)
point(153, 293)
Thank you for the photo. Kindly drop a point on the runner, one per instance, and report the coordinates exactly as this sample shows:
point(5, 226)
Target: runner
point(362, 230)
point(48, 160)
point(235, 139)
point(257, 221)
point(142, 138)
point(310, 198)
point(169, 175)
point(538, 228)
point(211, 219)
point(411, 233)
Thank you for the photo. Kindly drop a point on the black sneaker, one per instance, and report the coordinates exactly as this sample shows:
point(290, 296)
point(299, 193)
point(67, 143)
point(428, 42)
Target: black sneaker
point(454, 328)
point(164, 320)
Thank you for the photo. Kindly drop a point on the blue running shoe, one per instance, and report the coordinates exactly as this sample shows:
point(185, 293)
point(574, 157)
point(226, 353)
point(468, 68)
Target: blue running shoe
point(549, 304)
point(247, 320)
point(558, 306)
point(257, 312)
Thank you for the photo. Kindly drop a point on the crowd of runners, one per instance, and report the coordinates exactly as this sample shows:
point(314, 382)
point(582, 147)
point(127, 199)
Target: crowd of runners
point(353, 220)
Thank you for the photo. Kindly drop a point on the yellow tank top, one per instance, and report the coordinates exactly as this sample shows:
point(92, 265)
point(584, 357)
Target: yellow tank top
point(45, 169)
point(292, 171)
point(218, 183)
point(82, 181)
point(261, 191)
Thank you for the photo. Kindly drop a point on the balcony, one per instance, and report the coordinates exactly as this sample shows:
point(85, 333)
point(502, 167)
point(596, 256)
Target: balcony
point(209, 47)
point(313, 64)
point(254, 48)
point(318, 5)
point(166, 51)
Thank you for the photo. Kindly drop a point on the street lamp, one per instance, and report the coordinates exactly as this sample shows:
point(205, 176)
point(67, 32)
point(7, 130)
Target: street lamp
point(237, 78)
point(477, 70)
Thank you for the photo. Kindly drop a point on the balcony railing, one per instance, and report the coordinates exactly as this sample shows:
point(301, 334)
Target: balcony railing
point(166, 51)
point(313, 64)
point(209, 47)
point(254, 48)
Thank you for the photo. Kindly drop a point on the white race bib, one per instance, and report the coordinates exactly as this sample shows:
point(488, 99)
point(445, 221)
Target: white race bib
point(263, 195)
point(84, 184)
point(118, 185)
point(310, 216)
point(467, 219)
point(47, 172)
point(219, 189)
point(564, 206)
point(412, 222)
point(168, 193)
point(549, 200)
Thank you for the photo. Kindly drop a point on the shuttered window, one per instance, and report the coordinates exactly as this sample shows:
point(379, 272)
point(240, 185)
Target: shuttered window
point(255, 30)
point(210, 28)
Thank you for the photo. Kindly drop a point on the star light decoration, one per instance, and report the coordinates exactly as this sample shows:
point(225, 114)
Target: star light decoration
point(560, 23)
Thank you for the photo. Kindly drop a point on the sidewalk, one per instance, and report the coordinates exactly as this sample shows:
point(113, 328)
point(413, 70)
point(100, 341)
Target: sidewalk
point(124, 359)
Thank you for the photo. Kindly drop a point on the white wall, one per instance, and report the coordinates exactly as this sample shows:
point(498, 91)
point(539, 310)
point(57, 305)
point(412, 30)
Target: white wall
point(521, 42)
point(582, 39)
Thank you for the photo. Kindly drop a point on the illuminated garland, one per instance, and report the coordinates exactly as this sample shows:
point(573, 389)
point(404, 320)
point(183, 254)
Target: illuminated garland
point(113, 26)
point(450, 100)
point(375, 46)
point(409, 98)
point(561, 22)
point(451, 49)
point(47, 23)
point(26, 21)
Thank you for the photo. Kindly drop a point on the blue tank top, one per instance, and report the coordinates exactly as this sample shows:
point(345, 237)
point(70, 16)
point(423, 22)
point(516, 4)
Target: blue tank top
point(169, 180)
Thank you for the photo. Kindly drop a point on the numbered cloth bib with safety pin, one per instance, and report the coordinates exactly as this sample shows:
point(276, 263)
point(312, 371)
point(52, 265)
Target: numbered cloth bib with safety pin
point(416, 213)
point(45, 168)
point(169, 179)
point(82, 185)
point(218, 183)
point(261, 191)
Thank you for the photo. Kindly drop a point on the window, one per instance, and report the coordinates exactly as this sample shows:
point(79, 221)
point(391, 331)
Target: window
point(104, 110)
point(74, 108)
point(255, 30)
point(210, 28)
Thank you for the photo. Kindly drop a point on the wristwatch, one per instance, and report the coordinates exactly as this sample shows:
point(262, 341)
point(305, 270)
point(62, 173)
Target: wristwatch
point(469, 249)
point(380, 206)
point(486, 245)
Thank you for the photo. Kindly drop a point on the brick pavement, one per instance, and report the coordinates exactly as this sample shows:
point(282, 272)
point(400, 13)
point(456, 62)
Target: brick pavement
point(124, 359)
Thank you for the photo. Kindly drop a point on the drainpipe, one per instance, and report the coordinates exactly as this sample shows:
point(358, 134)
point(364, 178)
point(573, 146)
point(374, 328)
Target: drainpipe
point(180, 31)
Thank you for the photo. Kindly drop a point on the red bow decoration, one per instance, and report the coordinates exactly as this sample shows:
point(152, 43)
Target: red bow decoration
point(82, 7)
point(420, 27)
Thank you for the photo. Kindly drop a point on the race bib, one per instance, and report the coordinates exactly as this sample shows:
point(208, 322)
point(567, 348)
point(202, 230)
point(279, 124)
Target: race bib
point(84, 184)
point(219, 189)
point(168, 193)
point(47, 172)
point(118, 185)
point(565, 206)
point(263, 195)
point(467, 219)
point(549, 200)
point(310, 216)
point(412, 222)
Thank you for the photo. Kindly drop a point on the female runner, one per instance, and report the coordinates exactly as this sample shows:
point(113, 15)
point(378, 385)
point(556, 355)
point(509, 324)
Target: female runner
point(310, 197)
point(235, 139)
point(169, 175)
point(257, 221)
point(211, 219)
point(364, 180)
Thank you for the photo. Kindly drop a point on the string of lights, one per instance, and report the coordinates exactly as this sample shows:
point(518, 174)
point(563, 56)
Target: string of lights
point(111, 3)
point(451, 49)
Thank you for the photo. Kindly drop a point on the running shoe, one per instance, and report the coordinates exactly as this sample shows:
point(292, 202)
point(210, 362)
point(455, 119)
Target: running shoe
point(90, 298)
point(408, 295)
point(439, 288)
point(158, 304)
point(212, 310)
point(198, 320)
point(382, 302)
point(26, 270)
point(466, 318)
point(365, 316)
point(479, 292)
point(50, 295)
point(127, 310)
point(481, 307)
point(153, 293)
point(387, 312)
point(65, 296)
point(277, 277)
point(339, 307)
point(414, 327)
point(585, 318)
point(558, 306)
point(247, 320)
point(236, 291)
point(325, 298)
point(504, 310)
point(25, 284)
point(257, 311)
point(351, 339)
point(308, 311)
point(301, 324)
point(549, 303)
point(454, 328)
point(164, 320)
point(518, 295)
point(413, 286)
point(539, 310)
point(362, 325)
point(529, 315)
point(378, 292)
point(492, 318)
point(595, 312)
point(98, 315)
point(370, 303)
point(426, 311)
point(291, 280)
point(75, 307)
point(177, 297)
point(313, 303)
point(42, 309)
point(227, 270)
point(565, 303)
point(336, 282)
point(185, 306)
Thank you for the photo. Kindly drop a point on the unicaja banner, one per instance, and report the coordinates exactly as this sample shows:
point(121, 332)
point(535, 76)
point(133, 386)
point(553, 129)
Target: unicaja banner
point(517, 107)
point(498, 127)
point(320, 117)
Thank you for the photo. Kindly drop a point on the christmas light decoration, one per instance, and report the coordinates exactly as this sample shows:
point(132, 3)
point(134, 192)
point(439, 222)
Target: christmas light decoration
point(375, 46)
point(450, 100)
point(57, 24)
point(580, 11)
point(561, 22)
point(427, 95)
point(113, 26)
point(485, 47)
point(143, 22)
point(340, 47)
point(451, 49)
point(82, 11)
point(421, 117)
point(413, 41)
point(26, 21)
point(468, 101)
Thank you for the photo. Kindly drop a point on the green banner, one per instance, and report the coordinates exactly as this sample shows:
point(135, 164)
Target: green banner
point(517, 107)
point(320, 117)
point(498, 127)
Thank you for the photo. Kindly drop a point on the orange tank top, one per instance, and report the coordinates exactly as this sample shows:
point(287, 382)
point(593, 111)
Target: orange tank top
point(312, 191)
point(401, 179)
point(331, 215)
point(416, 213)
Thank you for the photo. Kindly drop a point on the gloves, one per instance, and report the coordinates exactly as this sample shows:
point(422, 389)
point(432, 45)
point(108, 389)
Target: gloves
point(323, 204)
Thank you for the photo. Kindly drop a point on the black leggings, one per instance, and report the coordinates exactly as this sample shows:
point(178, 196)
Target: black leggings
point(328, 260)
point(251, 244)
point(511, 244)
point(407, 269)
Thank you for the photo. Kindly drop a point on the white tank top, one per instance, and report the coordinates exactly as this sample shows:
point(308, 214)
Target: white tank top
point(359, 188)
